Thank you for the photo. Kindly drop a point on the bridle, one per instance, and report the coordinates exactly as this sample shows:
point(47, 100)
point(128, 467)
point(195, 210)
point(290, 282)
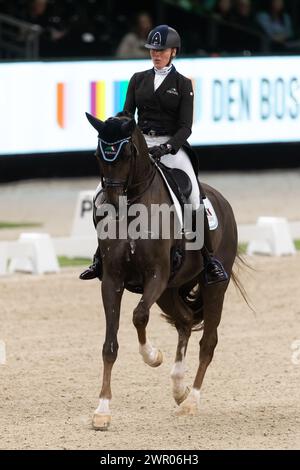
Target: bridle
point(127, 185)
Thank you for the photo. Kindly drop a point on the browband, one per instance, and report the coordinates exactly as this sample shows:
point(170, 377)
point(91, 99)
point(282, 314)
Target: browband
point(111, 150)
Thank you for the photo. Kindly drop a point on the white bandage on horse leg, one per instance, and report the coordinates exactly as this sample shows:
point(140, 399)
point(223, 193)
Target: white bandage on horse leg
point(148, 352)
point(177, 376)
point(103, 407)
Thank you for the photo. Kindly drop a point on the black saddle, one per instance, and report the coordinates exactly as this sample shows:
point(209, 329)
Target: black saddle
point(179, 182)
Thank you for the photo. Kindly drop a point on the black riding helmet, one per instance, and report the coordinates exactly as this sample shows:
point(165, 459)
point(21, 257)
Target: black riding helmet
point(163, 37)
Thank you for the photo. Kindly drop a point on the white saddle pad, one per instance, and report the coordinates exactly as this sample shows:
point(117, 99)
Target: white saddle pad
point(174, 199)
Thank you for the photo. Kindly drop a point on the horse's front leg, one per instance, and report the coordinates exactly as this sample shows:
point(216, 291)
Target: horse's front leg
point(112, 290)
point(154, 286)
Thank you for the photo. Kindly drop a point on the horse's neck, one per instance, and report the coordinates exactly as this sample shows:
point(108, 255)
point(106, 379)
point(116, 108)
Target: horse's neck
point(143, 163)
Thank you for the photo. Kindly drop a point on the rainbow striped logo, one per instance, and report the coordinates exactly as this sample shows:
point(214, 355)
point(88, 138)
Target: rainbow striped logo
point(107, 98)
point(98, 100)
point(120, 90)
point(61, 104)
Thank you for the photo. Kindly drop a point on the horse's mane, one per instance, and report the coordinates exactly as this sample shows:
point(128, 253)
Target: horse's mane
point(124, 114)
point(137, 136)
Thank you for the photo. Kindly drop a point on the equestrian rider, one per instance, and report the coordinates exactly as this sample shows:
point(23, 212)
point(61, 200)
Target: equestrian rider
point(164, 100)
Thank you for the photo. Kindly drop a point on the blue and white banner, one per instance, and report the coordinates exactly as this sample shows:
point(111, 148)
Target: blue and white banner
point(237, 101)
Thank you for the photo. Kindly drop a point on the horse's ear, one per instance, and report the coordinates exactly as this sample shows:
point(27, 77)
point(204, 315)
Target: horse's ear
point(96, 123)
point(128, 127)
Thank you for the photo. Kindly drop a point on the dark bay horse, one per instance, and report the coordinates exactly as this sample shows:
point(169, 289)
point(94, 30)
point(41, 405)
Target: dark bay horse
point(185, 301)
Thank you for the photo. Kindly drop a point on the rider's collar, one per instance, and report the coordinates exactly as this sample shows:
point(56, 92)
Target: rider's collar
point(110, 150)
point(164, 70)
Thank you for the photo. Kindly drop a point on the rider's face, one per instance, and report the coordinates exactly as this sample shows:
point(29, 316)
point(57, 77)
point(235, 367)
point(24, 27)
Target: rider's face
point(161, 59)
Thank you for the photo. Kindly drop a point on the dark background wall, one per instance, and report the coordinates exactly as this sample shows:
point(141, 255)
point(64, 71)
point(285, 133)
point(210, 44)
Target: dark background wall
point(222, 158)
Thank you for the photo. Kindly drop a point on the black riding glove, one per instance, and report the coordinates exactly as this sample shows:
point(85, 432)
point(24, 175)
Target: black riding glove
point(159, 150)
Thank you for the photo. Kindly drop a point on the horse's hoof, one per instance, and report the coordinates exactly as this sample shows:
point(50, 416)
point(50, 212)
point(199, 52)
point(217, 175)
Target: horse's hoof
point(190, 406)
point(187, 409)
point(159, 359)
point(101, 422)
point(183, 397)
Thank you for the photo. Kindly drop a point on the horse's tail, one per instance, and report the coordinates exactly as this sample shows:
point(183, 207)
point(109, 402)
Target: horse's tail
point(241, 263)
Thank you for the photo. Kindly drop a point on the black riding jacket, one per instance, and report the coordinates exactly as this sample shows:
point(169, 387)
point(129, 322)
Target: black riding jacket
point(169, 109)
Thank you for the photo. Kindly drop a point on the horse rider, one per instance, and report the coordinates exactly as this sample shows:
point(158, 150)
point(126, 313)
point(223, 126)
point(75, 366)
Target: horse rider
point(164, 100)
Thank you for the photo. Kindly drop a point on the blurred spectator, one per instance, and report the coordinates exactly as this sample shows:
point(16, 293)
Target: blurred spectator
point(276, 23)
point(208, 4)
point(224, 10)
point(36, 12)
point(53, 27)
point(223, 37)
point(132, 44)
point(243, 15)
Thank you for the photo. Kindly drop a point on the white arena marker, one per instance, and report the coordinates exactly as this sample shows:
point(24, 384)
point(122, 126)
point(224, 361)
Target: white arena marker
point(83, 218)
point(40, 258)
point(2, 353)
point(272, 237)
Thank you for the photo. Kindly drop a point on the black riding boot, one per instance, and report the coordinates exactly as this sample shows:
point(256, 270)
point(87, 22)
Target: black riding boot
point(95, 270)
point(214, 271)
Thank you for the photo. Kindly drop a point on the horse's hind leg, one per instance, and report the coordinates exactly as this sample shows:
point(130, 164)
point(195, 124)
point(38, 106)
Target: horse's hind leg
point(179, 315)
point(111, 295)
point(212, 316)
point(180, 390)
point(153, 288)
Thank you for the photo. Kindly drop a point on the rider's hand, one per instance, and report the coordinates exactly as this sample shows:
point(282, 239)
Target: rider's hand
point(159, 150)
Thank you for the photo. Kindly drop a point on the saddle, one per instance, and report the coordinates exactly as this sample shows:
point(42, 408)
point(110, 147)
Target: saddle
point(179, 182)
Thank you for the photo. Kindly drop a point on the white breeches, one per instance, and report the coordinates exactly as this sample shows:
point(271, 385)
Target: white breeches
point(179, 160)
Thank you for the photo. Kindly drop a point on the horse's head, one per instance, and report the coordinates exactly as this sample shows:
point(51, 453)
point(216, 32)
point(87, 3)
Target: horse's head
point(115, 153)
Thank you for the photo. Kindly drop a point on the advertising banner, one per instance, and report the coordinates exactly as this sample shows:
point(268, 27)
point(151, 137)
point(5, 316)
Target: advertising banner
point(237, 101)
